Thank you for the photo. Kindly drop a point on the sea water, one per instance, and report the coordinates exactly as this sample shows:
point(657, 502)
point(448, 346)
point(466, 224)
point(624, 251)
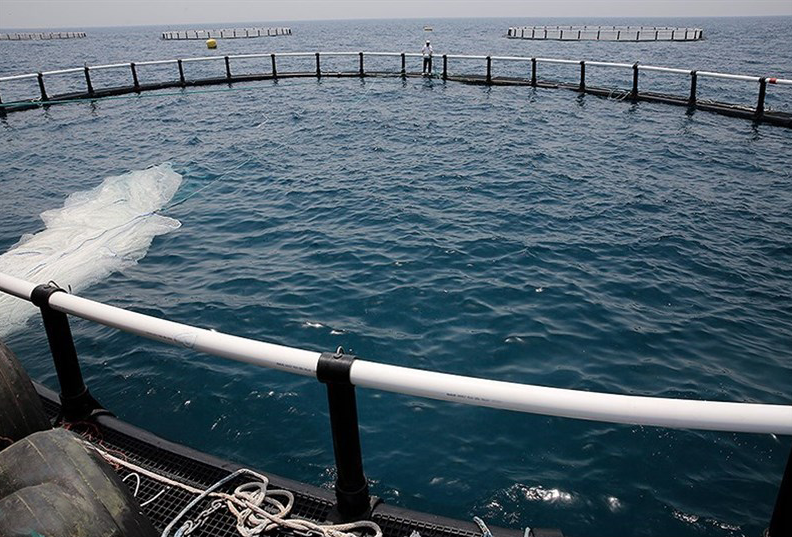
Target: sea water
point(528, 235)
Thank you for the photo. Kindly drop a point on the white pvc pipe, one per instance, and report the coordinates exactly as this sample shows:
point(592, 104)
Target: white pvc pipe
point(611, 408)
point(728, 77)
point(18, 77)
point(552, 60)
point(111, 66)
point(462, 57)
point(245, 56)
point(65, 71)
point(236, 348)
point(636, 410)
point(663, 69)
point(156, 62)
point(511, 58)
point(610, 64)
point(16, 287)
point(204, 58)
point(782, 81)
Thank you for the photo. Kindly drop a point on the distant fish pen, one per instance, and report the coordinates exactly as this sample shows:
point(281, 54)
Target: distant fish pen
point(758, 113)
point(605, 33)
point(39, 36)
point(229, 33)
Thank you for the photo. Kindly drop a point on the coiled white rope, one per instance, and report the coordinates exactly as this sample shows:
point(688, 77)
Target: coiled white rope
point(245, 503)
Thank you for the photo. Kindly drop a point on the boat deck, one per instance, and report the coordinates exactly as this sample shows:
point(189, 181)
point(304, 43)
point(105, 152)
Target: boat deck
point(199, 470)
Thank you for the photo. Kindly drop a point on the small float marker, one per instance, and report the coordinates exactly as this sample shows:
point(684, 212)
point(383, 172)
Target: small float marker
point(211, 43)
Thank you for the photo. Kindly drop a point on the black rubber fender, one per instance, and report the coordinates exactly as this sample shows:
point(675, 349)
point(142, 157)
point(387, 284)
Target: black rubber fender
point(21, 411)
point(51, 484)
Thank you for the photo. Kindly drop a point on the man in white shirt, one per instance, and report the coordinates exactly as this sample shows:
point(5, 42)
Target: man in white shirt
point(427, 58)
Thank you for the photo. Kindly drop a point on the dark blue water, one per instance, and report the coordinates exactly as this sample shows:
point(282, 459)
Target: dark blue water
point(535, 236)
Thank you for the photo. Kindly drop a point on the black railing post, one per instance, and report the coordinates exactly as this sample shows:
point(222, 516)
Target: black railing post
point(533, 72)
point(181, 72)
point(76, 401)
point(693, 84)
point(88, 81)
point(361, 64)
point(274, 69)
point(351, 488)
point(445, 66)
point(634, 92)
point(404, 65)
point(760, 103)
point(318, 70)
point(135, 82)
point(228, 68)
point(41, 87)
point(582, 86)
point(489, 70)
point(781, 522)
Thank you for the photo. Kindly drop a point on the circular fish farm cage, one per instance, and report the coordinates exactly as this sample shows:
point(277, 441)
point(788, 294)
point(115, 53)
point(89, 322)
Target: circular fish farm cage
point(605, 33)
point(340, 267)
point(489, 76)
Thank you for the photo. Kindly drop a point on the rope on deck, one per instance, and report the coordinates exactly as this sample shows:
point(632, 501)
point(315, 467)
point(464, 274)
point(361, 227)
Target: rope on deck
point(245, 503)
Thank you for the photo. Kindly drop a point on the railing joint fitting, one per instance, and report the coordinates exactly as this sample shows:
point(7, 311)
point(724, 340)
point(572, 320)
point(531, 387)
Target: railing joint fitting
point(41, 294)
point(334, 367)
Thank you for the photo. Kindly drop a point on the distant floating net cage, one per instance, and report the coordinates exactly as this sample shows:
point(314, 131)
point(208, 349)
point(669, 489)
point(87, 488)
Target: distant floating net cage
point(486, 70)
point(41, 36)
point(226, 33)
point(605, 33)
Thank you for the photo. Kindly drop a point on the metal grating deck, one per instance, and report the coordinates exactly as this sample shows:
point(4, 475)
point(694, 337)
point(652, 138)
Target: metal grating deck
point(201, 471)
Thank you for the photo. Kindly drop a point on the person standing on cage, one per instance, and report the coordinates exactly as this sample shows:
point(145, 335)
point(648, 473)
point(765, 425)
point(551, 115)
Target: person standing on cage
point(426, 51)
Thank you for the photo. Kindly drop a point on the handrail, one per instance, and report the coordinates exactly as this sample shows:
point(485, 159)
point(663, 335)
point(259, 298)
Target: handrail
point(108, 66)
point(710, 74)
point(18, 77)
point(612, 64)
point(64, 71)
point(553, 60)
point(661, 69)
point(611, 408)
point(209, 58)
point(729, 77)
point(156, 62)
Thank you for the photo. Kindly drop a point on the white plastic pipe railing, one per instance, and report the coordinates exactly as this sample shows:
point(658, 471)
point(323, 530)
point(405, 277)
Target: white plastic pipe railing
point(64, 71)
point(18, 77)
point(729, 77)
point(511, 58)
point(384, 53)
point(779, 81)
point(663, 69)
point(611, 64)
point(244, 56)
point(552, 60)
point(156, 62)
point(460, 57)
point(611, 408)
point(210, 58)
point(108, 66)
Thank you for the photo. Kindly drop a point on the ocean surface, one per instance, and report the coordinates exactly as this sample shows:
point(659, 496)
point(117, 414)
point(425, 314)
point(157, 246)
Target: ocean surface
point(529, 235)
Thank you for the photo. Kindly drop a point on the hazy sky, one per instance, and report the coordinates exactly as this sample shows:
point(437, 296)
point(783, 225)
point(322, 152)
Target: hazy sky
point(86, 13)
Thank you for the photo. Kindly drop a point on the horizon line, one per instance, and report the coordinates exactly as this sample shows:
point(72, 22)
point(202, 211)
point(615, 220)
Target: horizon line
point(424, 19)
